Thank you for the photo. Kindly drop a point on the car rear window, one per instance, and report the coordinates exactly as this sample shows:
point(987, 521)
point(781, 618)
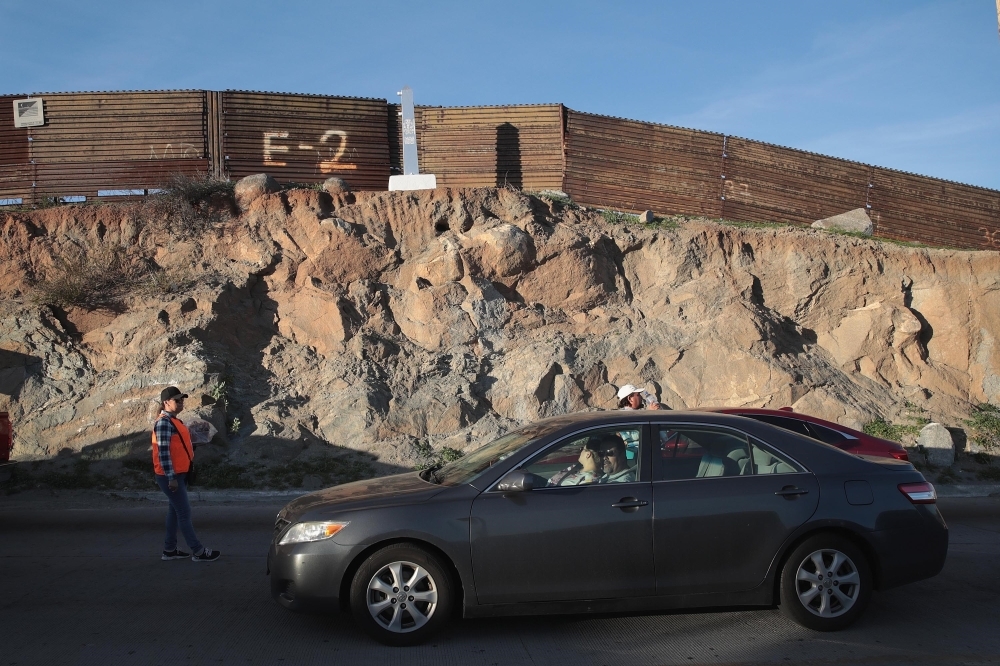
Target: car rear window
point(828, 435)
point(793, 425)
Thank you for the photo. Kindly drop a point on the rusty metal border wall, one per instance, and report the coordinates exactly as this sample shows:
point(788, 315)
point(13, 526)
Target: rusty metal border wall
point(305, 138)
point(768, 183)
point(15, 155)
point(108, 141)
point(519, 146)
point(909, 207)
point(138, 140)
point(632, 165)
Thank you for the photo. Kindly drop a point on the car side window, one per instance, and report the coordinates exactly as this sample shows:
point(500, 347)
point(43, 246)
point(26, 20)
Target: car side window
point(602, 455)
point(768, 461)
point(689, 452)
point(793, 425)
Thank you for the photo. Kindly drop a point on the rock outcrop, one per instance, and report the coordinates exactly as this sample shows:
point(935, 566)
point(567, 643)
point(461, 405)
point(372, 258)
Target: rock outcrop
point(252, 187)
point(396, 321)
point(854, 221)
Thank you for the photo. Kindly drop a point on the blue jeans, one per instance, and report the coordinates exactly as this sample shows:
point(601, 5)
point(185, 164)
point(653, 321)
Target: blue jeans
point(178, 514)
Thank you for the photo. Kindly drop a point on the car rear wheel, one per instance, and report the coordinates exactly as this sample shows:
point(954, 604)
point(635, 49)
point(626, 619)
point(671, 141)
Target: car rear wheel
point(825, 583)
point(402, 594)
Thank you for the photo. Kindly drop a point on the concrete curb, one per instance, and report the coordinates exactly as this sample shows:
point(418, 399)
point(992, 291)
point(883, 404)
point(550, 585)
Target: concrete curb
point(967, 489)
point(211, 495)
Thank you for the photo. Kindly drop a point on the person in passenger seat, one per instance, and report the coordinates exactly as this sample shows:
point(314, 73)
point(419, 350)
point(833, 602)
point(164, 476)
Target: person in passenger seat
point(589, 468)
point(616, 467)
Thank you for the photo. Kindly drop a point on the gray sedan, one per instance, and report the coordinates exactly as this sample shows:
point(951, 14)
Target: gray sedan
point(613, 512)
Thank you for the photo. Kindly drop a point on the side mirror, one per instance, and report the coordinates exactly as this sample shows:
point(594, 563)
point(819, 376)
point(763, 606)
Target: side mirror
point(516, 482)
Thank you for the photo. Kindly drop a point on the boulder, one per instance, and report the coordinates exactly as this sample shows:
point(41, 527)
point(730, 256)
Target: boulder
point(938, 444)
point(253, 187)
point(334, 186)
point(645, 217)
point(856, 220)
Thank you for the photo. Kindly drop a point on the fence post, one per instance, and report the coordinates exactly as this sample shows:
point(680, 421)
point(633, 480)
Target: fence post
point(216, 160)
point(722, 194)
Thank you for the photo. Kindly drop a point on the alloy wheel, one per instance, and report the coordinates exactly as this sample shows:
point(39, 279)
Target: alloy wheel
point(827, 583)
point(402, 597)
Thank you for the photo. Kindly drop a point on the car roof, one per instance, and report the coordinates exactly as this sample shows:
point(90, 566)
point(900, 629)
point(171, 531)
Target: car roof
point(787, 413)
point(599, 417)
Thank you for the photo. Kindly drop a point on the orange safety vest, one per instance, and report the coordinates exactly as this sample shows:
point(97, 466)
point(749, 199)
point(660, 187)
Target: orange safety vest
point(181, 451)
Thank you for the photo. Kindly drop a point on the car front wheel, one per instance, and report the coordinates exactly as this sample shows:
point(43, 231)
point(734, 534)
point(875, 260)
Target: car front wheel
point(401, 595)
point(825, 583)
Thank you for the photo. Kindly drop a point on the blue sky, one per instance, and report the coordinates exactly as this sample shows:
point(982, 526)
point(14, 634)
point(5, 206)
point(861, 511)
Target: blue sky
point(909, 85)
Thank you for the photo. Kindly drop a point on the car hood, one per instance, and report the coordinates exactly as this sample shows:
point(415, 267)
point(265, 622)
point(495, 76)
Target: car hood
point(370, 492)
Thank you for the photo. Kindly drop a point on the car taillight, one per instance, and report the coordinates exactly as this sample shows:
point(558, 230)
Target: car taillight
point(900, 455)
point(919, 493)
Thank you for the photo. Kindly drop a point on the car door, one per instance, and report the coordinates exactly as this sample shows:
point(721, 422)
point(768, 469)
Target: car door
point(723, 504)
point(573, 538)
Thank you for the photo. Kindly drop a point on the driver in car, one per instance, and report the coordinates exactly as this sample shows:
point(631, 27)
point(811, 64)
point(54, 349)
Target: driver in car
point(616, 467)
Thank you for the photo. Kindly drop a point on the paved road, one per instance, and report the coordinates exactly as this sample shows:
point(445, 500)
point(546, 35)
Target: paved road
point(85, 586)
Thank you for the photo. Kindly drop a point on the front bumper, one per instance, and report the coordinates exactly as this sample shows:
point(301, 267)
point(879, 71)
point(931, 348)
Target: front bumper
point(308, 576)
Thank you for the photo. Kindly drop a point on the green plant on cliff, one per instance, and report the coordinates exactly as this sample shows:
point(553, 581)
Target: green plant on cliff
point(898, 432)
point(618, 217)
point(984, 421)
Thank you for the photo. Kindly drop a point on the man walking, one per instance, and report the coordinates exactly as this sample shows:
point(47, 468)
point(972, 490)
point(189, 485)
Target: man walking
point(173, 455)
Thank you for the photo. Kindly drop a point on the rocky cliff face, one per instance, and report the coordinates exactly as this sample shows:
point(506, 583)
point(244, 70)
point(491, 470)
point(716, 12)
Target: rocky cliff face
point(400, 323)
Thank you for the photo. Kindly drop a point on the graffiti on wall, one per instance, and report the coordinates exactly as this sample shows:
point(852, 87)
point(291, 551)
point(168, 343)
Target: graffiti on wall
point(170, 152)
point(329, 150)
point(992, 237)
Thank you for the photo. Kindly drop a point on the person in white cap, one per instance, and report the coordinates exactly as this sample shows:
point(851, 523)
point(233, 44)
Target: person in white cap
point(631, 397)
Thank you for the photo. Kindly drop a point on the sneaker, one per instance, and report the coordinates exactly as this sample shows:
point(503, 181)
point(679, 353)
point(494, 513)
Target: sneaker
point(207, 555)
point(175, 554)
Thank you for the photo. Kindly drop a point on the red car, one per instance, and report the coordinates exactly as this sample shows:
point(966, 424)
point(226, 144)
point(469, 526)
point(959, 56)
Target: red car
point(835, 434)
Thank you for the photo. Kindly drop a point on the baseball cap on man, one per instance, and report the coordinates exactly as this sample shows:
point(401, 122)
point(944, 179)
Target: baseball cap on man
point(627, 390)
point(170, 393)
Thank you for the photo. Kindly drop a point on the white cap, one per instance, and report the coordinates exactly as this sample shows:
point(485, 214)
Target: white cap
point(627, 390)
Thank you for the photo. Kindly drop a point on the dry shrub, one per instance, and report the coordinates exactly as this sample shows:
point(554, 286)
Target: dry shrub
point(104, 276)
point(191, 205)
point(99, 276)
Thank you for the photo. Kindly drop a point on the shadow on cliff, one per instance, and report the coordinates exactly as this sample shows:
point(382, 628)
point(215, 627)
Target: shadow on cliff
point(246, 319)
point(15, 368)
point(125, 462)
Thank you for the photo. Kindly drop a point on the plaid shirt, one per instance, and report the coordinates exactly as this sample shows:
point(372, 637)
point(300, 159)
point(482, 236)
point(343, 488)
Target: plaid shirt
point(164, 431)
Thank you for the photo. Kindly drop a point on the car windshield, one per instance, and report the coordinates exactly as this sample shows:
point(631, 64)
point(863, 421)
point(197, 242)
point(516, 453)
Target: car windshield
point(471, 465)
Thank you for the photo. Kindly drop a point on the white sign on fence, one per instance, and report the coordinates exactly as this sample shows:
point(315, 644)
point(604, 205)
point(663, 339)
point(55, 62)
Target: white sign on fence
point(28, 112)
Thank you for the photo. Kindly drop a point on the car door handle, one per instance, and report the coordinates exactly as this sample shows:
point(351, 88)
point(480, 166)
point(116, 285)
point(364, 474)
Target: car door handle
point(791, 491)
point(629, 503)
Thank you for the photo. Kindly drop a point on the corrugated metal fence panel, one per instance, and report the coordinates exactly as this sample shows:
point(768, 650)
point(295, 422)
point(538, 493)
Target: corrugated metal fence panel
point(939, 212)
point(632, 165)
point(768, 183)
point(15, 167)
point(306, 138)
point(117, 141)
point(492, 146)
point(395, 131)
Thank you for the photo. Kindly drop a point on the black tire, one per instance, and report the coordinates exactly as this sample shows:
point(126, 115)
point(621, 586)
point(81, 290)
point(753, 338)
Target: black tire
point(814, 599)
point(407, 616)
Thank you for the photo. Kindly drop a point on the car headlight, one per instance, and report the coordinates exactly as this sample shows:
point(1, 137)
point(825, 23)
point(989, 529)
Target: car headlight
point(312, 531)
